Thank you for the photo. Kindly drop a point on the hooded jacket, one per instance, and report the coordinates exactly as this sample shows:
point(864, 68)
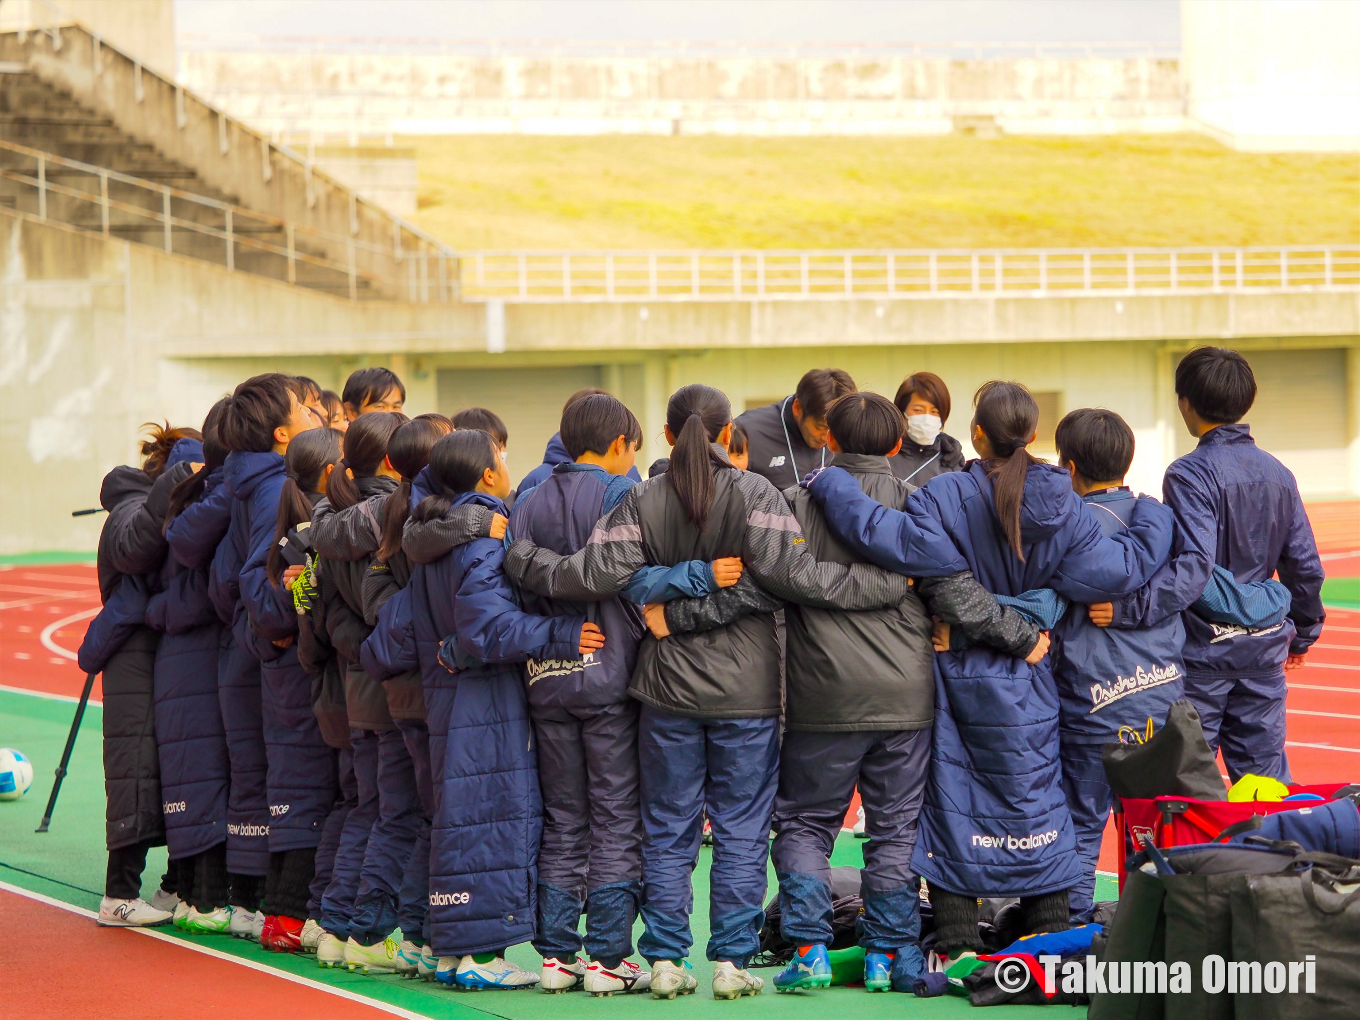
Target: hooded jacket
point(555, 454)
point(731, 671)
point(489, 812)
point(1239, 508)
point(776, 447)
point(995, 820)
point(918, 464)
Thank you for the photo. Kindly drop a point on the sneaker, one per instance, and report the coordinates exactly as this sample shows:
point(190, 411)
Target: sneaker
point(130, 914)
point(809, 968)
point(330, 951)
point(311, 934)
point(181, 912)
point(877, 972)
point(408, 958)
point(626, 977)
point(214, 922)
point(732, 982)
point(446, 970)
point(242, 922)
point(427, 965)
point(670, 979)
point(706, 838)
point(858, 827)
point(282, 934)
point(379, 958)
point(497, 973)
point(166, 900)
point(257, 926)
point(559, 975)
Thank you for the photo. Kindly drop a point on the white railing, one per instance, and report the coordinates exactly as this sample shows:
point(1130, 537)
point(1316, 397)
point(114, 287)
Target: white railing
point(839, 275)
point(54, 187)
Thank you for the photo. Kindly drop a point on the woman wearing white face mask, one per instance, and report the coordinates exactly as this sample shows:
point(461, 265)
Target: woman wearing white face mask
point(923, 399)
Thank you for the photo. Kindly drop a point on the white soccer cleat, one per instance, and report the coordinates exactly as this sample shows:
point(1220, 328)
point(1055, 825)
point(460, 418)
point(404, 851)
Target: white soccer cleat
point(330, 951)
point(257, 926)
point(379, 958)
point(242, 922)
point(166, 900)
point(669, 979)
point(428, 964)
point(732, 982)
point(408, 958)
point(180, 914)
point(130, 914)
point(858, 828)
point(214, 922)
point(626, 977)
point(499, 974)
point(311, 935)
point(560, 975)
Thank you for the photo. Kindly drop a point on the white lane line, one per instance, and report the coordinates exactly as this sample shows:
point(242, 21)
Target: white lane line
point(39, 600)
point(1328, 628)
point(5, 688)
point(1336, 648)
point(59, 578)
point(218, 954)
point(1317, 687)
point(23, 589)
point(1331, 665)
point(46, 636)
point(1339, 555)
point(1321, 747)
point(1321, 715)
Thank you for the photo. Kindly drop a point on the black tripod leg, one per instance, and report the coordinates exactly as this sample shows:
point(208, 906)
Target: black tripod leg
point(66, 754)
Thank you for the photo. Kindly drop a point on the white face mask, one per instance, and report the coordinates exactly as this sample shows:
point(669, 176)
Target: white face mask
point(922, 429)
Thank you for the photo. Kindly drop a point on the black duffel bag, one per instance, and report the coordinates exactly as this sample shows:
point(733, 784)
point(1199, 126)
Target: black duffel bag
point(1311, 909)
point(1175, 761)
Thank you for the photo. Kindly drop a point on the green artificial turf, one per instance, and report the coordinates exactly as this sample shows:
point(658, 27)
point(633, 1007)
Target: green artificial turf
point(1341, 592)
point(67, 863)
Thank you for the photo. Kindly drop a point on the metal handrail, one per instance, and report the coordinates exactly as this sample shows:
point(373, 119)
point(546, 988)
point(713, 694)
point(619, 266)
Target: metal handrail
point(758, 275)
point(232, 232)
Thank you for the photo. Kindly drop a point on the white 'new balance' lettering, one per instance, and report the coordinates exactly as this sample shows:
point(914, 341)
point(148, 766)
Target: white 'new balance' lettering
point(449, 899)
point(237, 829)
point(1006, 841)
point(174, 807)
point(278, 810)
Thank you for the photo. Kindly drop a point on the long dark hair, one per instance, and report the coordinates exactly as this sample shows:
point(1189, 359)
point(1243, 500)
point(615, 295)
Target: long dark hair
point(160, 443)
point(366, 442)
point(214, 454)
point(696, 415)
point(457, 463)
point(307, 458)
point(1008, 417)
point(408, 451)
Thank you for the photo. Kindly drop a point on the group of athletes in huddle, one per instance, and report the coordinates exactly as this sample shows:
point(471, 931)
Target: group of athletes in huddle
point(385, 710)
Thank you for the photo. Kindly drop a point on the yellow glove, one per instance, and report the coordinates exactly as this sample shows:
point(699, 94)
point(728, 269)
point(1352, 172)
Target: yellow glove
point(1251, 788)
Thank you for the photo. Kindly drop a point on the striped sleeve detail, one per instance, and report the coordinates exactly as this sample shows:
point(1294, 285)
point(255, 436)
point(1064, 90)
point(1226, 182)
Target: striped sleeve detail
point(618, 533)
point(774, 522)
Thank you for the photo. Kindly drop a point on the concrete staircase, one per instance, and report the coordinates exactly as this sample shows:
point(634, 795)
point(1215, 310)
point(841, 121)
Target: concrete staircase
point(93, 139)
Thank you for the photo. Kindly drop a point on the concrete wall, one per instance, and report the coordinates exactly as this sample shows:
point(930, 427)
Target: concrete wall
point(1274, 75)
point(375, 94)
point(144, 29)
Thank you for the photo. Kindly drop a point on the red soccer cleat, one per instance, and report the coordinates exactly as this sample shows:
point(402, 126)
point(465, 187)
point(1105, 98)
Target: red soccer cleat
point(282, 934)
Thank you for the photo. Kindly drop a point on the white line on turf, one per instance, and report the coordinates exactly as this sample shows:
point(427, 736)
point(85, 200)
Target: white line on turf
point(218, 954)
point(46, 636)
point(1323, 715)
point(1321, 747)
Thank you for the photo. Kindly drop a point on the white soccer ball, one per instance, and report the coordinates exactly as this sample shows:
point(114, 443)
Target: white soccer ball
point(16, 774)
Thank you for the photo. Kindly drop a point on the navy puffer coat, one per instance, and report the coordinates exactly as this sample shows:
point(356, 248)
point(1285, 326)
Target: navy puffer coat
point(995, 822)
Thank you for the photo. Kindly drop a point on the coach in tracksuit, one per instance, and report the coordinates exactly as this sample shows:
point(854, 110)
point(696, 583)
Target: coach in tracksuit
point(1239, 508)
point(708, 733)
point(995, 821)
point(787, 439)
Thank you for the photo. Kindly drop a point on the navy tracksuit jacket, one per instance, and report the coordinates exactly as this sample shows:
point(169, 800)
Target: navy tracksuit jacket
point(1236, 507)
point(555, 454)
point(995, 822)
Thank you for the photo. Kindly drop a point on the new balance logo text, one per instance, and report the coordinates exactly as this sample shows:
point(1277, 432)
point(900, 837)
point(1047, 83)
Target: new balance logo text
point(1005, 841)
point(278, 810)
point(174, 807)
point(237, 829)
point(777, 461)
point(449, 899)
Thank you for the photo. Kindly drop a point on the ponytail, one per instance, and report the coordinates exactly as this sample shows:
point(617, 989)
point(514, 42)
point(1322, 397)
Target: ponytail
point(1008, 416)
point(308, 456)
point(160, 443)
point(366, 442)
point(696, 415)
point(457, 463)
point(408, 451)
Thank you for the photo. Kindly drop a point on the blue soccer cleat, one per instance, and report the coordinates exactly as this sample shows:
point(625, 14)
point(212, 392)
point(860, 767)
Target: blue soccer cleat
point(878, 971)
point(809, 968)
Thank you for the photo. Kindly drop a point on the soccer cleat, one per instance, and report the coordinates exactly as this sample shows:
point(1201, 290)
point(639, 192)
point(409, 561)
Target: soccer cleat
point(311, 934)
point(282, 934)
point(809, 968)
point(626, 977)
point(428, 964)
point(214, 922)
point(561, 975)
point(858, 827)
point(446, 970)
point(706, 837)
point(408, 958)
point(257, 926)
point(330, 951)
point(379, 958)
point(130, 914)
point(497, 973)
point(670, 979)
point(242, 922)
point(181, 912)
point(877, 972)
point(732, 982)
point(164, 899)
